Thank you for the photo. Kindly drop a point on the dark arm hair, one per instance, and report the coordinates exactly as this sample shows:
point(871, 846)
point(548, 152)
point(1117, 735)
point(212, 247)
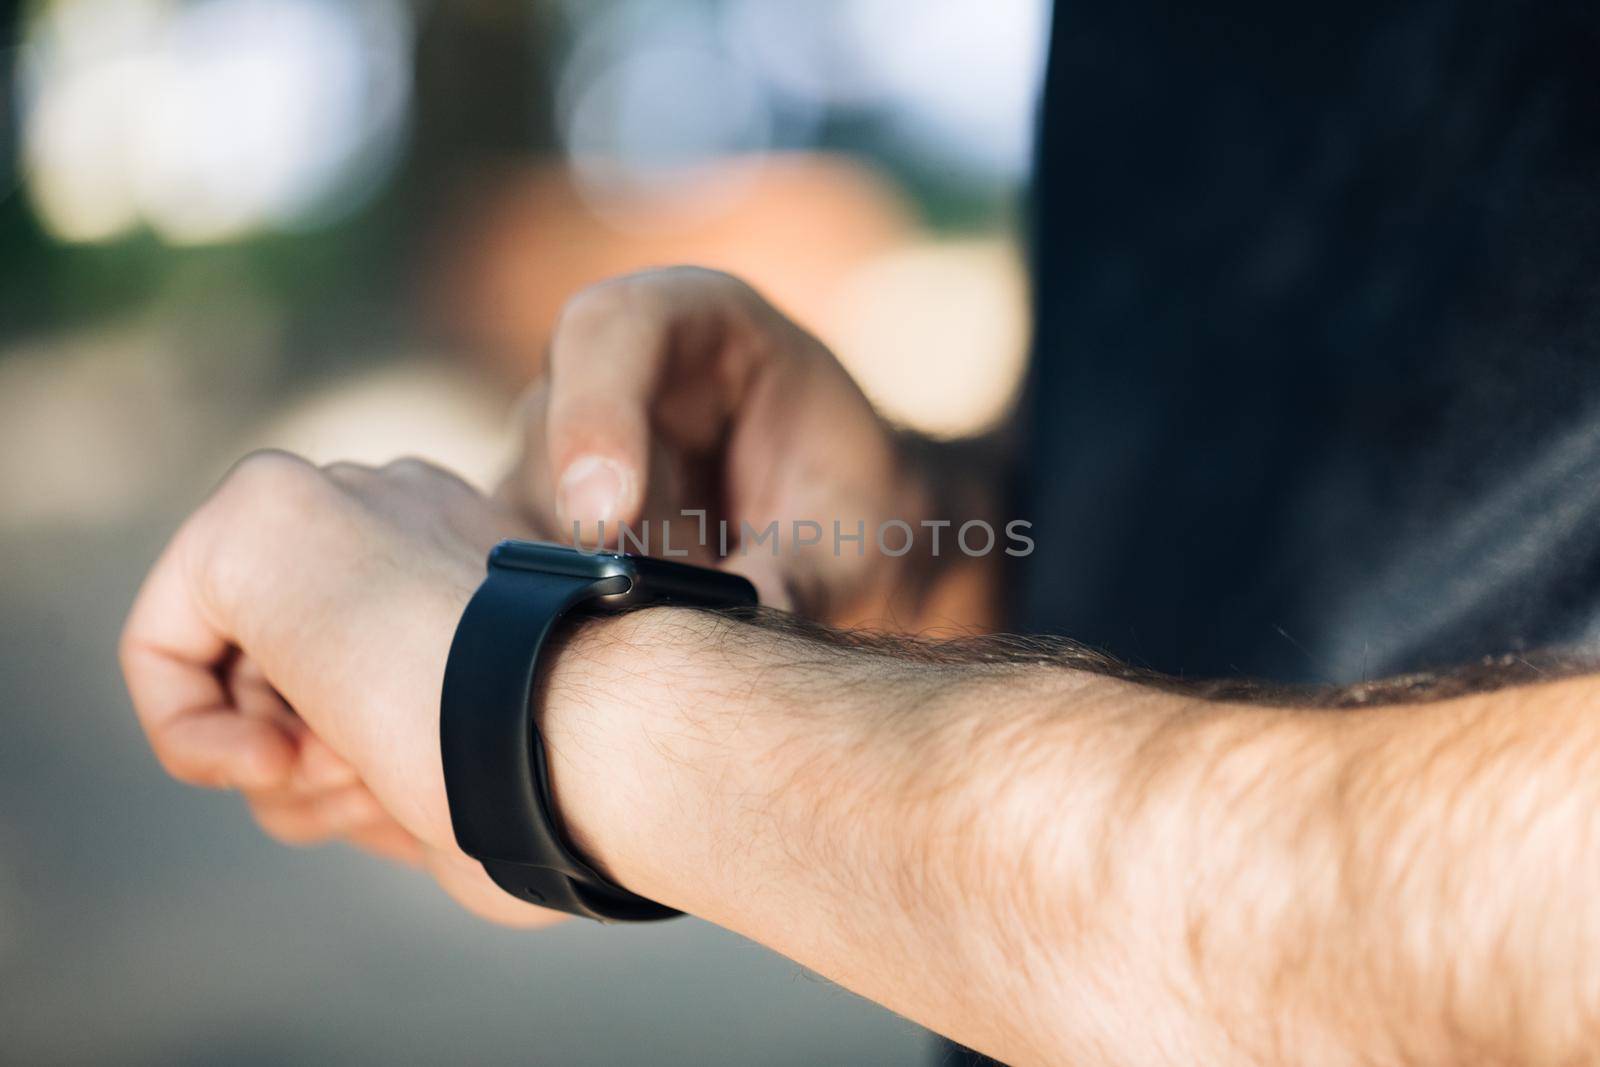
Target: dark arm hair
point(1484, 675)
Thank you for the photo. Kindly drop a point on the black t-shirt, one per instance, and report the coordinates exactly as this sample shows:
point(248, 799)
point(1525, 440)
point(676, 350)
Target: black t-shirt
point(1317, 386)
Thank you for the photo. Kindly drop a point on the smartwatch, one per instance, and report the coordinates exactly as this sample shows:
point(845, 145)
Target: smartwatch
point(494, 760)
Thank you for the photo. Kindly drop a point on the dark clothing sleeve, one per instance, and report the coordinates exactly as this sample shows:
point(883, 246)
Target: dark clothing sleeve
point(1316, 392)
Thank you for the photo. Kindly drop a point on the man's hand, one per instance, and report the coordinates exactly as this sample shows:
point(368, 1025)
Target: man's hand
point(291, 642)
point(682, 389)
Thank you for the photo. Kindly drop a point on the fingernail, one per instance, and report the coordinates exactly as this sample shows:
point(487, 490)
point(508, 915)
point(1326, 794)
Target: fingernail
point(591, 490)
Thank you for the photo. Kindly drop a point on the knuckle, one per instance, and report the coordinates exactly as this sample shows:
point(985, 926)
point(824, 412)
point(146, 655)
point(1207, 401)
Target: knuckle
point(709, 285)
point(270, 502)
point(411, 467)
point(708, 277)
point(346, 472)
point(414, 475)
point(649, 293)
point(270, 468)
point(594, 305)
point(268, 483)
point(262, 485)
point(644, 293)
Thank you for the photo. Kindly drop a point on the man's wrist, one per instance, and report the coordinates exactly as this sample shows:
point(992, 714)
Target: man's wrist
point(704, 762)
point(635, 713)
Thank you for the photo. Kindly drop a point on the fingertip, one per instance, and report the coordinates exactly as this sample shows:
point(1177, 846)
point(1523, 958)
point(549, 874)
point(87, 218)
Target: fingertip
point(595, 489)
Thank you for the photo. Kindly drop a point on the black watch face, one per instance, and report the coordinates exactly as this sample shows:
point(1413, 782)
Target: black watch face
point(559, 559)
point(649, 580)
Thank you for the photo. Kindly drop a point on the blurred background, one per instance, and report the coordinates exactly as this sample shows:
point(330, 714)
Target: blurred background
point(345, 228)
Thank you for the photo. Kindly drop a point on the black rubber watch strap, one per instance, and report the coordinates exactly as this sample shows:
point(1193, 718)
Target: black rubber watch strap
point(494, 759)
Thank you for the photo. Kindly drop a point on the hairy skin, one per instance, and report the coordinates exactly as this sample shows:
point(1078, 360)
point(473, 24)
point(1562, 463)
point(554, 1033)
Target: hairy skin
point(1054, 865)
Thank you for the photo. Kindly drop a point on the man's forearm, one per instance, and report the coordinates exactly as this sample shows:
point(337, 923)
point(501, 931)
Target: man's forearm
point(1051, 864)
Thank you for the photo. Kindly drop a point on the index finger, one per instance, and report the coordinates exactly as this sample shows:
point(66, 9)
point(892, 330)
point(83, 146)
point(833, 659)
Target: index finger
point(608, 357)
